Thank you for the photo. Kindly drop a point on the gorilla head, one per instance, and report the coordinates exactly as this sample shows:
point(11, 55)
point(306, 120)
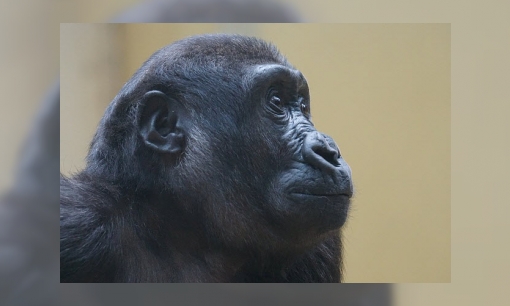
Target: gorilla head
point(206, 167)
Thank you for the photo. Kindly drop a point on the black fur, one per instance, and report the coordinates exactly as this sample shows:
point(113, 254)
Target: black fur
point(207, 168)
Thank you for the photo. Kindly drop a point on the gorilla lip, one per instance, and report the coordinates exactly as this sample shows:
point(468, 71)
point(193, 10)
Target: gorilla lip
point(322, 195)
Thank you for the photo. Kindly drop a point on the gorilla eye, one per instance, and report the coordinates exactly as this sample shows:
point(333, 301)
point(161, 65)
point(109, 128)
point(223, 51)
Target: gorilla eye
point(276, 101)
point(276, 104)
point(305, 109)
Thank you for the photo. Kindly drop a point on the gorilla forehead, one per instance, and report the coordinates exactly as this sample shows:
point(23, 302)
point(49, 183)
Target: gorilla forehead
point(215, 51)
point(201, 68)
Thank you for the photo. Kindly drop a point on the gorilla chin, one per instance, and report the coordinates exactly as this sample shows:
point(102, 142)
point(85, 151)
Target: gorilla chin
point(331, 210)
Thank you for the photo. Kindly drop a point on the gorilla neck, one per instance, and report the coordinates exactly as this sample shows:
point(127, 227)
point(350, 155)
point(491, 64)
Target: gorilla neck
point(157, 233)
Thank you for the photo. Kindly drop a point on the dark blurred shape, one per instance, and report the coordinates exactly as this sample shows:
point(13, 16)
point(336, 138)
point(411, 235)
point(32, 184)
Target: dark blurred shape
point(218, 11)
point(29, 247)
point(235, 294)
point(29, 216)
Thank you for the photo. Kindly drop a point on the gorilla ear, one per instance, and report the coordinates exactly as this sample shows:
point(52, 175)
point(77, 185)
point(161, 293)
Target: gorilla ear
point(158, 119)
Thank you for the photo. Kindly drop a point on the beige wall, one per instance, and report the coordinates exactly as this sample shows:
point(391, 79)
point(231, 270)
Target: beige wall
point(381, 91)
point(91, 61)
point(29, 65)
point(480, 124)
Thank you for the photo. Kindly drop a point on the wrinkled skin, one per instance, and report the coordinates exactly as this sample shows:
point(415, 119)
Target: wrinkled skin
point(206, 167)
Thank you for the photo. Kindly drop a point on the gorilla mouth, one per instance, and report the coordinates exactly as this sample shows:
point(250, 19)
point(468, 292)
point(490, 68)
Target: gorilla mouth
point(340, 198)
point(322, 195)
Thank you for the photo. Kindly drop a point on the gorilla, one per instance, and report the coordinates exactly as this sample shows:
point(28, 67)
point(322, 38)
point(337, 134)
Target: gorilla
point(206, 167)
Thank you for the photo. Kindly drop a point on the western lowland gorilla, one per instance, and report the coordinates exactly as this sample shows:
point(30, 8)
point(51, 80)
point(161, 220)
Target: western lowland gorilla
point(206, 167)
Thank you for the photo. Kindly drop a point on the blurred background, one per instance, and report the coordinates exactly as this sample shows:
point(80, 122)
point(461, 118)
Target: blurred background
point(382, 91)
point(480, 146)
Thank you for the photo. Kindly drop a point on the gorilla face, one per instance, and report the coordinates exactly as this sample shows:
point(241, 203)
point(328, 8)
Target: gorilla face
point(255, 163)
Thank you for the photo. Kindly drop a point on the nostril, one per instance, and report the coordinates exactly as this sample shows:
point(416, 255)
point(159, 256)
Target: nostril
point(329, 154)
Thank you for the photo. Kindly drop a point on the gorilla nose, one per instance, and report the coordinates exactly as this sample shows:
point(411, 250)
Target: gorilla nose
point(321, 152)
